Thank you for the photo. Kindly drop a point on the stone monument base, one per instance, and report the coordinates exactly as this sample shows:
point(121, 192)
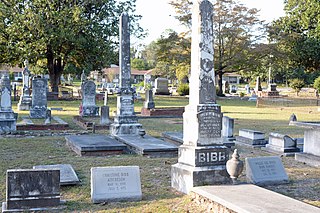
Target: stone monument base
point(7, 122)
point(24, 104)
point(307, 158)
point(125, 129)
point(199, 166)
point(38, 112)
point(90, 111)
point(185, 177)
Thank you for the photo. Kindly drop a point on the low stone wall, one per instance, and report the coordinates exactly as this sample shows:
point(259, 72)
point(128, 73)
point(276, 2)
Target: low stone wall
point(210, 205)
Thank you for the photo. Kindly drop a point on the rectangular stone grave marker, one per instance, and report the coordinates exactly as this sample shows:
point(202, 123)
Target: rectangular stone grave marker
point(89, 107)
point(265, 170)
point(251, 137)
point(32, 189)
point(119, 183)
point(67, 174)
point(39, 98)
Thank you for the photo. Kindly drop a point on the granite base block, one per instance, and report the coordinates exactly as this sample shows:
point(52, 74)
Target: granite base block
point(184, 177)
point(38, 113)
point(255, 142)
point(125, 129)
point(309, 159)
point(281, 150)
point(42, 209)
point(90, 111)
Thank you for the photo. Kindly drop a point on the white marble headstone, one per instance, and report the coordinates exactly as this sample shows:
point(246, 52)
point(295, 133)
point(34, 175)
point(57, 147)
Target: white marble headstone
point(118, 183)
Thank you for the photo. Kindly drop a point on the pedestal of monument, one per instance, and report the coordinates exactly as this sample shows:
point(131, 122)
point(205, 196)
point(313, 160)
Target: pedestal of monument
point(24, 103)
point(125, 125)
point(7, 121)
point(202, 157)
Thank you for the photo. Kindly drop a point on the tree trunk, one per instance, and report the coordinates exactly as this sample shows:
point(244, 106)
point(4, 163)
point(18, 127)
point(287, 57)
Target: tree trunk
point(55, 69)
point(220, 92)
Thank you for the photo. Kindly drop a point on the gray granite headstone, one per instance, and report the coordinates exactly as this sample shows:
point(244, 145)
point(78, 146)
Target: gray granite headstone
point(149, 103)
point(161, 86)
point(104, 115)
point(118, 183)
point(7, 116)
point(32, 189)
point(265, 170)
point(202, 157)
point(125, 121)
point(88, 106)
point(67, 174)
point(39, 98)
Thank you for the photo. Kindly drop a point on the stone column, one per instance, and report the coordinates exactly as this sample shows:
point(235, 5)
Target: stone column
point(25, 98)
point(149, 103)
point(7, 117)
point(258, 85)
point(125, 122)
point(202, 157)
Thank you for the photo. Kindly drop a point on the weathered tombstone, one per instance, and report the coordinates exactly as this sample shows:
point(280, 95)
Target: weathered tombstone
point(272, 87)
point(125, 121)
point(202, 157)
point(258, 85)
point(104, 115)
point(281, 143)
point(149, 103)
point(25, 98)
point(88, 105)
point(32, 189)
point(7, 116)
point(265, 170)
point(251, 137)
point(39, 98)
point(67, 174)
point(119, 183)
point(161, 86)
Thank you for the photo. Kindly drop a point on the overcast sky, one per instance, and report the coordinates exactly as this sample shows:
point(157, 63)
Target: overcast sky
point(157, 15)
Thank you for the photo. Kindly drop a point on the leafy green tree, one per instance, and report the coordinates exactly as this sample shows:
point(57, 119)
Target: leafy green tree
point(173, 55)
point(316, 84)
point(297, 34)
point(237, 30)
point(297, 84)
point(68, 35)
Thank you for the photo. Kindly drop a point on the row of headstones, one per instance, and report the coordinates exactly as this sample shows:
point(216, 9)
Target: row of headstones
point(39, 188)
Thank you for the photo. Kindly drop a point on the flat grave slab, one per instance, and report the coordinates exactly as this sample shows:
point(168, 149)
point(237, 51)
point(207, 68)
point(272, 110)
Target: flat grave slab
point(265, 170)
point(251, 137)
point(307, 158)
point(118, 183)
point(67, 174)
point(251, 198)
point(148, 146)
point(94, 145)
point(28, 124)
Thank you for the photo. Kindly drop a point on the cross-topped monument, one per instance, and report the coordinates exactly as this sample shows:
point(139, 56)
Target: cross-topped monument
point(202, 157)
point(126, 121)
point(25, 98)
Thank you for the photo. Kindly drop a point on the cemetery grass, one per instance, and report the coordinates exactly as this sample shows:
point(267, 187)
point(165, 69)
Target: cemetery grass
point(158, 196)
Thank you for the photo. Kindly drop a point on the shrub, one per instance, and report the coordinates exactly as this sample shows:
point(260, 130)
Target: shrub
point(297, 84)
point(183, 89)
point(316, 84)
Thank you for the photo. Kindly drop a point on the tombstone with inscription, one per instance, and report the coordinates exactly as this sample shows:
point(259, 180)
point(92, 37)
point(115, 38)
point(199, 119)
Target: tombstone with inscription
point(265, 170)
point(119, 183)
point(88, 106)
point(149, 103)
point(104, 115)
point(32, 190)
point(202, 157)
point(25, 98)
point(161, 86)
point(39, 98)
point(7, 116)
point(125, 121)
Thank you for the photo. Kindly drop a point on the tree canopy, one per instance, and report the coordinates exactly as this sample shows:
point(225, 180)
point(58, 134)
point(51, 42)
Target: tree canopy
point(62, 35)
point(237, 30)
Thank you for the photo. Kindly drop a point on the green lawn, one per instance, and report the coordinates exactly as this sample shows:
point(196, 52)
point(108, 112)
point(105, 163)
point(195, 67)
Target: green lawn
point(158, 196)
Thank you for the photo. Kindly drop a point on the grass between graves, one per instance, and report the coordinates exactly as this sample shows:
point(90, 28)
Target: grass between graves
point(158, 196)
